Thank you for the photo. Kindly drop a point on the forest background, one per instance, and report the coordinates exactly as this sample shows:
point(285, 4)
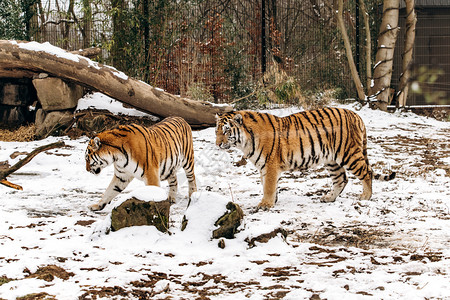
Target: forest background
point(219, 50)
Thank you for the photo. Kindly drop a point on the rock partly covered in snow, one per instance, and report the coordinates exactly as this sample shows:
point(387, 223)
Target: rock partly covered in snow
point(229, 222)
point(213, 215)
point(147, 206)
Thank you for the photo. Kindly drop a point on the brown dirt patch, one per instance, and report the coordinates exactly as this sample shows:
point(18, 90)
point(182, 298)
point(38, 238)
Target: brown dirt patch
point(48, 273)
point(361, 236)
point(38, 296)
point(4, 279)
point(85, 222)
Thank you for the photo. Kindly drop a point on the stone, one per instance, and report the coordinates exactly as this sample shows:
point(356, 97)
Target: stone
point(15, 94)
point(134, 212)
point(12, 116)
point(229, 222)
point(221, 244)
point(40, 117)
point(54, 122)
point(56, 94)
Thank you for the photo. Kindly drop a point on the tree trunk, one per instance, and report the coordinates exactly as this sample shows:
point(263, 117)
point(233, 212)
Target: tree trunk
point(118, 45)
point(410, 36)
point(379, 92)
point(87, 23)
point(27, 59)
point(368, 47)
point(348, 50)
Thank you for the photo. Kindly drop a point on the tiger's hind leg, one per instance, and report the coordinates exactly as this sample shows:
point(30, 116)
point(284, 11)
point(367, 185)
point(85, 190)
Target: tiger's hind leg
point(359, 166)
point(173, 187)
point(190, 175)
point(339, 179)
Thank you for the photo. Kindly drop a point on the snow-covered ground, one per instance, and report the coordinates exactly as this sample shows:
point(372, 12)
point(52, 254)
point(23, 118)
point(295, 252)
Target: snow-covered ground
point(397, 245)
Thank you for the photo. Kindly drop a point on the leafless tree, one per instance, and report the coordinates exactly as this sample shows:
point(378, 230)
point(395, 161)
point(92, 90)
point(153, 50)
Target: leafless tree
point(384, 59)
point(410, 36)
point(379, 86)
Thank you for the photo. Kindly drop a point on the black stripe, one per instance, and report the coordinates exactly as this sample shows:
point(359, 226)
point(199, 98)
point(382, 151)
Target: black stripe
point(311, 140)
point(340, 134)
point(274, 136)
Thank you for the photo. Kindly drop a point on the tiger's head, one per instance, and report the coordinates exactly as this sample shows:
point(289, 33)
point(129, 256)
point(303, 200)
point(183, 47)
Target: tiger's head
point(97, 156)
point(228, 130)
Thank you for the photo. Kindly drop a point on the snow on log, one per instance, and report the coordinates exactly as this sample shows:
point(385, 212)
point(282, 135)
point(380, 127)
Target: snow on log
point(25, 59)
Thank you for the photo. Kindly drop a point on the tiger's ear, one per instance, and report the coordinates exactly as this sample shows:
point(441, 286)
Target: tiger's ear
point(238, 119)
point(97, 143)
point(218, 116)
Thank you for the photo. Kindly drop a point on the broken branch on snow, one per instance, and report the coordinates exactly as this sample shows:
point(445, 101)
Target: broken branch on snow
point(24, 161)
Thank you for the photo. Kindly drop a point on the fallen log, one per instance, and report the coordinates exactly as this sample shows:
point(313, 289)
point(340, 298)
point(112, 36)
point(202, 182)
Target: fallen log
point(24, 161)
point(26, 59)
point(88, 52)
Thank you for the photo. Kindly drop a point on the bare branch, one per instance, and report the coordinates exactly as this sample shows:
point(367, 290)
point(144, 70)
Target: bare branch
point(22, 162)
point(348, 50)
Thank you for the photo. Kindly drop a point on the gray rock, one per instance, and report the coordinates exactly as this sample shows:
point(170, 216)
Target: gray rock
point(56, 94)
point(54, 121)
point(12, 115)
point(15, 94)
point(40, 117)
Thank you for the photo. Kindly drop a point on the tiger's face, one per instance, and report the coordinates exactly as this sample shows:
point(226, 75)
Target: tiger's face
point(96, 158)
point(228, 133)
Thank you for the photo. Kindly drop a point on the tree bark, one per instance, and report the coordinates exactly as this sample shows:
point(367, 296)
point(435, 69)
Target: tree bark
point(410, 36)
point(31, 58)
point(368, 47)
point(348, 50)
point(92, 52)
point(379, 92)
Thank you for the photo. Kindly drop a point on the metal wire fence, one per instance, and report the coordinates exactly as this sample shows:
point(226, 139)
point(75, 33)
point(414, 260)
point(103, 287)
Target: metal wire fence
point(222, 46)
point(431, 63)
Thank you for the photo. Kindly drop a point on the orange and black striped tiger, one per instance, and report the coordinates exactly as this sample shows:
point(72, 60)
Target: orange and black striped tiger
point(149, 154)
point(334, 137)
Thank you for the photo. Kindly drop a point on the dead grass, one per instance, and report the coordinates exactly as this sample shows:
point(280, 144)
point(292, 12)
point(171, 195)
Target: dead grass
point(4, 279)
point(48, 273)
point(21, 134)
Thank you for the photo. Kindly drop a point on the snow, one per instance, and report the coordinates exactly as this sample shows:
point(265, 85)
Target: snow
point(101, 101)
point(404, 252)
point(49, 48)
point(376, 65)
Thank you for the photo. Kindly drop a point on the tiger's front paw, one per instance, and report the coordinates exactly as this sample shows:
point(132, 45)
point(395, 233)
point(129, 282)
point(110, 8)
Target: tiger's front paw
point(263, 205)
point(327, 199)
point(96, 207)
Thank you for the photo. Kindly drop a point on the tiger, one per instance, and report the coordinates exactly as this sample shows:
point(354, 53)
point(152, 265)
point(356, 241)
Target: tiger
point(333, 137)
point(151, 154)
